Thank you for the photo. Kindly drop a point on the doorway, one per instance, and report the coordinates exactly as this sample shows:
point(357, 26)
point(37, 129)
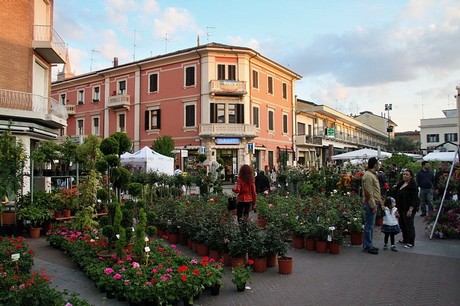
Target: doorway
point(229, 158)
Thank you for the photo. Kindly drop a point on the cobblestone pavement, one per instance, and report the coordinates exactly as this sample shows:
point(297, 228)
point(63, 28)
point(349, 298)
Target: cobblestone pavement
point(428, 274)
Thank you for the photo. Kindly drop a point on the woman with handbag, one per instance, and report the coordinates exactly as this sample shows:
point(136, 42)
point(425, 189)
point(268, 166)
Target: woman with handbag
point(246, 190)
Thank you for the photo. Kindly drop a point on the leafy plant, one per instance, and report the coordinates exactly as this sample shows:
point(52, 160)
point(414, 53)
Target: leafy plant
point(241, 274)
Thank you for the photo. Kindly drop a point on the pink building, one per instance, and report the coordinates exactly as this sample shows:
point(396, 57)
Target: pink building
point(231, 103)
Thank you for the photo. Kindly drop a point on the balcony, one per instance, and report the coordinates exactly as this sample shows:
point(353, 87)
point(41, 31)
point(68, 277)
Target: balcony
point(230, 129)
point(227, 88)
point(119, 101)
point(34, 108)
point(48, 44)
point(307, 140)
point(71, 109)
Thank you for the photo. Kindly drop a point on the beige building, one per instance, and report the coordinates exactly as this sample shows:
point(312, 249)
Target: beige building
point(381, 123)
point(439, 133)
point(29, 46)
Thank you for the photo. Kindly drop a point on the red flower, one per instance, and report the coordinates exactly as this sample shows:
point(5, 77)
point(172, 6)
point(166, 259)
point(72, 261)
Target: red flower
point(182, 269)
point(183, 277)
point(250, 261)
point(196, 272)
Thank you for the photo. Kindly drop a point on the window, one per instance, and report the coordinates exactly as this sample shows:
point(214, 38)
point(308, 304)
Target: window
point(284, 91)
point(285, 123)
point(432, 138)
point(300, 128)
point(450, 137)
point(81, 96)
point(121, 123)
point(270, 85)
point(190, 76)
point(96, 94)
point(80, 127)
point(95, 126)
point(122, 87)
point(227, 113)
point(190, 115)
point(226, 72)
point(152, 119)
point(271, 122)
point(255, 116)
point(63, 99)
point(255, 79)
point(153, 82)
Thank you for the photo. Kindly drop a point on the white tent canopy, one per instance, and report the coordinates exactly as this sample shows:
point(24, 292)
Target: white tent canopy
point(149, 160)
point(361, 154)
point(441, 156)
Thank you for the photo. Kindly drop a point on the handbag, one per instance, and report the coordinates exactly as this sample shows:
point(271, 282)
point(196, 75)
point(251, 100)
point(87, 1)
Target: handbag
point(231, 203)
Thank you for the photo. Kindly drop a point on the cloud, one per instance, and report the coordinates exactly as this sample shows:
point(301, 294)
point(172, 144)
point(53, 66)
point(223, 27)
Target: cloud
point(117, 10)
point(174, 20)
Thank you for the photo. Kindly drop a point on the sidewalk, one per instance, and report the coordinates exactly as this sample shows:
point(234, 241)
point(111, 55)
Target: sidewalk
point(428, 274)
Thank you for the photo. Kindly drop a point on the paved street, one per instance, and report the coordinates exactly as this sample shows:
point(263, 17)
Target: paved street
point(428, 274)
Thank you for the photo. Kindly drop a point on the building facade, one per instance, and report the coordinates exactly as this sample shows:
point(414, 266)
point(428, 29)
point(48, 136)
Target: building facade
point(29, 46)
point(322, 132)
point(439, 133)
point(231, 103)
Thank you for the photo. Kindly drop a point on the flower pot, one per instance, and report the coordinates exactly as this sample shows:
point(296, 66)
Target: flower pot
point(66, 213)
point(261, 222)
point(215, 289)
point(334, 248)
point(260, 265)
point(298, 242)
point(227, 259)
point(237, 261)
point(173, 238)
point(271, 260)
point(321, 246)
point(240, 288)
point(8, 218)
point(356, 238)
point(189, 243)
point(194, 246)
point(34, 232)
point(183, 239)
point(215, 254)
point(201, 249)
point(58, 214)
point(285, 265)
point(310, 244)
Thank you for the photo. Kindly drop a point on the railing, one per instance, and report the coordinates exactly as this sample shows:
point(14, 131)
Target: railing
point(119, 101)
point(46, 33)
point(31, 102)
point(235, 129)
point(228, 87)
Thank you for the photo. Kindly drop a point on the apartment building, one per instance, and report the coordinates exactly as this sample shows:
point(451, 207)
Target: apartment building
point(322, 132)
point(229, 102)
point(29, 46)
point(439, 134)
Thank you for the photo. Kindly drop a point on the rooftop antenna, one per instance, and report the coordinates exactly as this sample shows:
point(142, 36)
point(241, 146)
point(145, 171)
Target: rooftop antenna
point(208, 34)
point(92, 58)
point(134, 45)
point(167, 39)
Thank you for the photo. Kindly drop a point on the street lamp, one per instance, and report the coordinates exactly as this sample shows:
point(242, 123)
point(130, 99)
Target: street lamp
point(388, 108)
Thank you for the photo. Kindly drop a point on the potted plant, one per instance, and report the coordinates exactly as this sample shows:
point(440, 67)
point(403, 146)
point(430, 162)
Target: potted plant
point(35, 216)
point(241, 275)
point(274, 243)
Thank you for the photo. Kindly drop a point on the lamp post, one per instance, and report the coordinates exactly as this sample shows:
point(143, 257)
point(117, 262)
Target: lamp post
point(388, 108)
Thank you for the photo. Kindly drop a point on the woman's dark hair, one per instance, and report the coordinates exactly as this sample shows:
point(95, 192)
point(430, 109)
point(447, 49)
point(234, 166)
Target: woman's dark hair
point(410, 171)
point(245, 174)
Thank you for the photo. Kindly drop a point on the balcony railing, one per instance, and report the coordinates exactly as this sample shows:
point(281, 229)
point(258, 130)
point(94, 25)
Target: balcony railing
point(49, 44)
point(232, 129)
point(33, 103)
point(71, 109)
point(119, 101)
point(228, 87)
point(307, 140)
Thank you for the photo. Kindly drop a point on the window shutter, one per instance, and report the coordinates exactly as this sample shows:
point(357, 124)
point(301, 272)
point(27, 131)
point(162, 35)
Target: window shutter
point(213, 110)
point(147, 118)
point(159, 119)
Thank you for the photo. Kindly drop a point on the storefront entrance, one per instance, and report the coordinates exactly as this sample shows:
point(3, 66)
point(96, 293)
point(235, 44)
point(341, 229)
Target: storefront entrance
point(230, 160)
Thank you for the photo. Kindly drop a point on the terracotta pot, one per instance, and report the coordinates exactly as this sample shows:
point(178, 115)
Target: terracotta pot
point(34, 232)
point(310, 244)
point(356, 238)
point(227, 259)
point(321, 246)
point(285, 265)
point(173, 238)
point(237, 261)
point(299, 242)
point(271, 260)
point(262, 222)
point(201, 249)
point(8, 218)
point(215, 254)
point(189, 243)
point(66, 213)
point(259, 265)
point(183, 239)
point(194, 246)
point(58, 214)
point(334, 248)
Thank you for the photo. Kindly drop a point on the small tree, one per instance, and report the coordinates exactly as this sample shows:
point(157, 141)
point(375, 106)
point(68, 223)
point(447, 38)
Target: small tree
point(164, 145)
point(124, 142)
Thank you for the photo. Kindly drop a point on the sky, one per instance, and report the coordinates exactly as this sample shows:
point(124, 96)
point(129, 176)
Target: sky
point(353, 55)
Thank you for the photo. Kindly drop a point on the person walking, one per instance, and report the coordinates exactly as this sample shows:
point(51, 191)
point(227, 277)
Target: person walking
point(425, 179)
point(407, 204)
point(246, 190)
point(390, 223)
point(262, 182)
point(371, 198)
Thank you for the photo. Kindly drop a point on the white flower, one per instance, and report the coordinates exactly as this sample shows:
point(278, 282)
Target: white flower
point(332, 228)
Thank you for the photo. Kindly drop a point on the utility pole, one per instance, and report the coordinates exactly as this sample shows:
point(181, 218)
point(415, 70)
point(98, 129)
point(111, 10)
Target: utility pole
point(388, 108)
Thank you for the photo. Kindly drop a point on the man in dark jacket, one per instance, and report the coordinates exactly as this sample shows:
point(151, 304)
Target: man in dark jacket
point(425, 179)
point(262, 182)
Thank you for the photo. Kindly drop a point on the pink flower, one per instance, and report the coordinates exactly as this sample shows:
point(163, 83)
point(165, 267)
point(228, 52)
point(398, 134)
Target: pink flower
point(169, 270)
point(193, 261)
point(117, 276)
point(154, 271)
point(108, 271)
point(173, 246)
point(135, 265)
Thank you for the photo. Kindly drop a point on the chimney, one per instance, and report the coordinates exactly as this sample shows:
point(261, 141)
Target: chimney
point(115, 62)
